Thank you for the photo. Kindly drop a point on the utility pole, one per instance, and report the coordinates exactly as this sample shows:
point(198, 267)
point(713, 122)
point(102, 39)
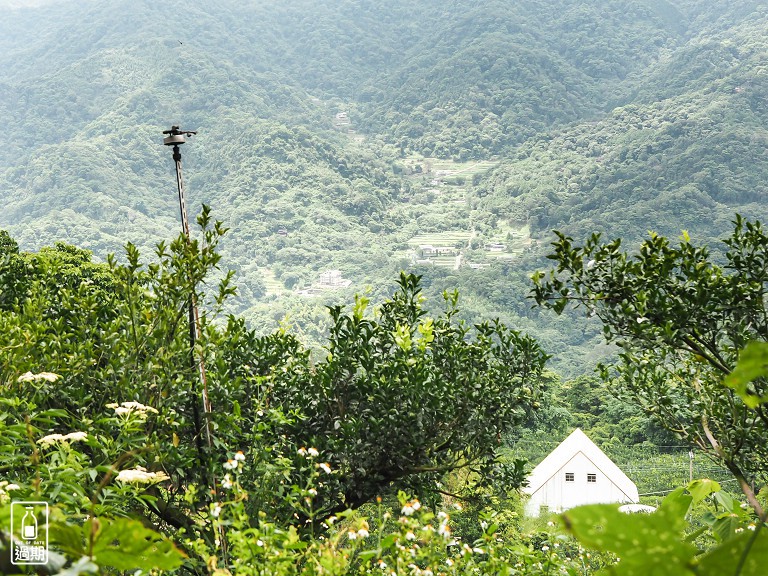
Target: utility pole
point(176, 137)
point(690, 465)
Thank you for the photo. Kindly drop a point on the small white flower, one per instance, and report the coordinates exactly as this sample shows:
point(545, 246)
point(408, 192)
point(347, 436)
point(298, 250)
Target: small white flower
point(410, 536)
point(352, 535)
point(75, 436)
point(16, 487)
point(51, 439)
point(363, 533)
point(312, 492)
point(302, 451)
point(226, 483)
point(313, 452)
point(411, 507)
point(139, 475)
point(326, 467)
point(216, 510)
point(29, 377)
point(230, 464)
point(750, 527)
point(260, 543)
point(139, 407)
point(544, 548)
point(132, 407)
point(240, 457)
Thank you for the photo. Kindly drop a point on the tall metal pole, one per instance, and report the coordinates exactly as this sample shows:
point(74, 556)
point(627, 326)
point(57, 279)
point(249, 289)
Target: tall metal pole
point(175, 137)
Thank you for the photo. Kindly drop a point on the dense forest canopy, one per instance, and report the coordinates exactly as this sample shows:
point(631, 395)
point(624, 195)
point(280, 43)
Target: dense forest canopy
point(344, 135)
point(414, 203)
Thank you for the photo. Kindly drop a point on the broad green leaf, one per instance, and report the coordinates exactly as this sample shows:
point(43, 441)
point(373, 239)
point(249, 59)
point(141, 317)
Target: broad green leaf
point(368, 554)
point(68, 538)
point(700, 489)
point(723, 560)
point(125, 544)
point(752, 364)
point(725, 526)
point(645, 543)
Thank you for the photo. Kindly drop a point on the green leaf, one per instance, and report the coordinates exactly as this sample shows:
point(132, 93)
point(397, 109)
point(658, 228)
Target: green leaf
point(700, 489)
point(68, 538)
point(125, 544)
point(645, 543)
point(725, 558)
point(752, 364)
point(725, 526)
point(368, 554)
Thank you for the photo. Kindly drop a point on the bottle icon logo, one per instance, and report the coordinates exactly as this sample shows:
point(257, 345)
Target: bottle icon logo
point(29, 524)
point(29, 533)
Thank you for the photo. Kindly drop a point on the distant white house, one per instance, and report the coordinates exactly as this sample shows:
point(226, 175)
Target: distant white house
point(333, 279)
point(577, 472)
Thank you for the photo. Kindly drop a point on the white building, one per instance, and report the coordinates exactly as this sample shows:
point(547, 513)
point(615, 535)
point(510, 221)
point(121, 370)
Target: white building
point(333, 279)
point(577, 472)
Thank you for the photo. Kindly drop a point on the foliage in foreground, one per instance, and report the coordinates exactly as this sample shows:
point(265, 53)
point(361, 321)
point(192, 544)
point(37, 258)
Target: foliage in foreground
point(134, 487)
point(104, 417)
point(680, 320)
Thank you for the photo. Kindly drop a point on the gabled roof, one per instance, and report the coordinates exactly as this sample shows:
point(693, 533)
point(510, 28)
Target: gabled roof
point(576, 443)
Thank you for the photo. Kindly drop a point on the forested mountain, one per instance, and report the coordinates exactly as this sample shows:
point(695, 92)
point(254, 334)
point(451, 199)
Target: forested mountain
point(348, 134)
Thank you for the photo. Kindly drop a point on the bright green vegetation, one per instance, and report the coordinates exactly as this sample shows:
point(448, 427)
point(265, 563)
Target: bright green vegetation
point(608, 116)
point(304, 466)
point(352, 136)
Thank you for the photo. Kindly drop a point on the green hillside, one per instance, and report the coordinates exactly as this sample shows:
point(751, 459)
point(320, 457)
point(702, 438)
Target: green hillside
point(348, 135)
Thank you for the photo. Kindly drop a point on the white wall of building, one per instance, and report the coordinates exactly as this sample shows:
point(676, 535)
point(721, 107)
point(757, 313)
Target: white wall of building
point(558, 494)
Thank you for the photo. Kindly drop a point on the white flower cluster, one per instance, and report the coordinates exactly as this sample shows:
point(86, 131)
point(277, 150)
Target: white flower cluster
point(139, 475)
point(308, 452)
point(361, 532)
point(235, 463)
point(5, 486)
point(131, 407)
point(411, 507)
point(51, 439)
point(29, 377)
point(444, 530)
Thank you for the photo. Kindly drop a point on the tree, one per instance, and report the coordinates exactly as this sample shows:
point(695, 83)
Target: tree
point(680, 320)
point(400, 399)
